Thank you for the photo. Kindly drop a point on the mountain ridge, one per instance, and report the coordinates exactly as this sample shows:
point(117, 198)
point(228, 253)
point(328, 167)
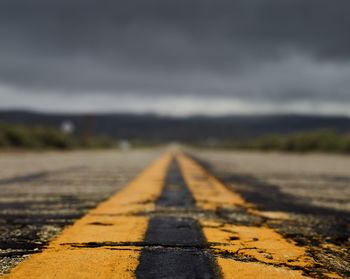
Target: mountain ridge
point(192, 128)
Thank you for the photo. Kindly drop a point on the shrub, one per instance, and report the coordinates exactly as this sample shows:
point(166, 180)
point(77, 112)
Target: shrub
point(38, 137)
point(324, 140)
point(19, 136)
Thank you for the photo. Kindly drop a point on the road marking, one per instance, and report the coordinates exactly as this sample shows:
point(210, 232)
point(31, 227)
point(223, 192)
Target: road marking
point(269, 253)
point(238, 269)
point(101, 244)
point(176, 246)
point(158, 227)
point(208, 192)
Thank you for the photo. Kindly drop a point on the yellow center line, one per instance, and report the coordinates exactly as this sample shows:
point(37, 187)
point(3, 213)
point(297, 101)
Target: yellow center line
point(265, 252)
point(112, 229)
point(208, 192)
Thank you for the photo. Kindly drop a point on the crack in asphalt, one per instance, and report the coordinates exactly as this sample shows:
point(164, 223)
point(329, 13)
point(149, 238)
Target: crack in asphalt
point(207, 245)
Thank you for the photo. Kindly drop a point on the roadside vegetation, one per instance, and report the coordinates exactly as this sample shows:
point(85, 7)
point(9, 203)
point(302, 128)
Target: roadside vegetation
point(317, 141)
point(40, 137)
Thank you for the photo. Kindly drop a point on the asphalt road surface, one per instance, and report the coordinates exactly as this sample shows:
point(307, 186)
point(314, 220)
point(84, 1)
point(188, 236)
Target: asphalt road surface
point(171, 214)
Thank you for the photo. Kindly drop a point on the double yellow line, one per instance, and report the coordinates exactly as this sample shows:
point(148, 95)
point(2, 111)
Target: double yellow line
point(115, 227)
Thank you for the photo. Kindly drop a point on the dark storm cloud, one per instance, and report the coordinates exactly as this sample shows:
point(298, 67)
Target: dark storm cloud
point(281, 50)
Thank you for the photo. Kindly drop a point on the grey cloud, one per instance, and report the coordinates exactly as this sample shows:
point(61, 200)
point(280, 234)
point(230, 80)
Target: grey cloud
point(282, 51)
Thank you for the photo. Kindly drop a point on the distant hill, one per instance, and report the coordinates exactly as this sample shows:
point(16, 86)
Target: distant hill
point(153, 127)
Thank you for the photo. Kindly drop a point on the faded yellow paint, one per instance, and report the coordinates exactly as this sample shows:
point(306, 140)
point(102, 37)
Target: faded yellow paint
point(112, 228)
point(332, 276)
point(272, 253)
point(272, 214)
point(260, 243)
point(236, 269)
point(208, 192)
point(82, 263)
point(140, 193)
point(105, 229)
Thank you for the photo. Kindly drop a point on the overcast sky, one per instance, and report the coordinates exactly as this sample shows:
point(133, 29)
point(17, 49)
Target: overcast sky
point(176, 57)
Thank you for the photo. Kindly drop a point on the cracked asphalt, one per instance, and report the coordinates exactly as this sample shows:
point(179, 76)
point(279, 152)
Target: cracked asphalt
point(41, 193)
point(306, 196)
point(275, 213)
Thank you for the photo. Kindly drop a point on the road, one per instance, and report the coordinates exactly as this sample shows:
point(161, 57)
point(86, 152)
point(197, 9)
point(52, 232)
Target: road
point(171, 214)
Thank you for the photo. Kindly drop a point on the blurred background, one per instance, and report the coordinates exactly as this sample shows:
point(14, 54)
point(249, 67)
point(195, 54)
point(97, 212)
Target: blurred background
point(256, 91)
point(250, 74)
